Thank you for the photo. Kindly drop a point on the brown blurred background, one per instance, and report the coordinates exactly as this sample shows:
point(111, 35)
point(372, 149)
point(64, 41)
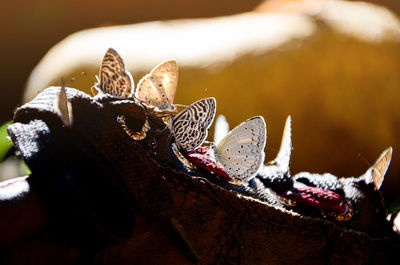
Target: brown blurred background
point(30, 27)
point(342, 93)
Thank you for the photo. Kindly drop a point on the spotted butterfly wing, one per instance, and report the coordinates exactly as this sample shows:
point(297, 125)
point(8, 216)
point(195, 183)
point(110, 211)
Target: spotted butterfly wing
point(115, 80)
point(241, 152)
point(190, 126)
point(158, 88)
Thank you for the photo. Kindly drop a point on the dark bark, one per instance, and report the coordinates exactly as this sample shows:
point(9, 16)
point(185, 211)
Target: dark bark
point(100, 197)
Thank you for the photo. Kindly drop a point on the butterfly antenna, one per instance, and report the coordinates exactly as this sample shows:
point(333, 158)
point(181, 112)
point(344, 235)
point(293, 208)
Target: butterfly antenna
point(364, 160)
point(181, 105)
point(64, 84)
point(210, 143)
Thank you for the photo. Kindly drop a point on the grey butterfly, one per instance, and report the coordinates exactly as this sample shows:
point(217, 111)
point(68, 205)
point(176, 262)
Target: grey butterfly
point(241, 152)
point(114, 77)
point(190, 126)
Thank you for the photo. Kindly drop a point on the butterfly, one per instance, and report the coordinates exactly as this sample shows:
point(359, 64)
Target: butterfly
point(114, 78)
point(241, 151)
point(190, 126)
point(157, 89)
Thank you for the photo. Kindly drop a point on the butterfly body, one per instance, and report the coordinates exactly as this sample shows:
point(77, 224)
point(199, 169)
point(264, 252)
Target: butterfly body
point(241, 151)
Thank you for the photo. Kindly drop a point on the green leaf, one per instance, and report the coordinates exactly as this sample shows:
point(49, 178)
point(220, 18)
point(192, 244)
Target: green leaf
point(5, 141)
point(24, 168)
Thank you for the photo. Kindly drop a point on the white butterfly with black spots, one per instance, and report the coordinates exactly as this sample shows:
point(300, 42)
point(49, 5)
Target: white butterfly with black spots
point(241, 151)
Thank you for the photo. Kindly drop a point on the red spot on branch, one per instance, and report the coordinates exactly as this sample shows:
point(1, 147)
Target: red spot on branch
point(201, 158)
point(325, 200)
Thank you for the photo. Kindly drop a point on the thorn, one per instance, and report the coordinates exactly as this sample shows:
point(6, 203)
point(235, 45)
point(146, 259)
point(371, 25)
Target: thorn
point(221, 128)
point(283, 157)
point(62, 106)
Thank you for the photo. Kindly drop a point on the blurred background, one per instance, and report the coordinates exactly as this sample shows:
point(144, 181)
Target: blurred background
point(333, 65)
